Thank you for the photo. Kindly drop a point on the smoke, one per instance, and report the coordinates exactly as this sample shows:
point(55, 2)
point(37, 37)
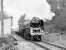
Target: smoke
point(41, 9)
point(32, 8)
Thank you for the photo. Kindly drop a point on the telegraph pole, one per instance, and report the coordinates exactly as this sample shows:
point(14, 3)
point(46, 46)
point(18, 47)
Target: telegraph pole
point(11, 24)
point(2, 20)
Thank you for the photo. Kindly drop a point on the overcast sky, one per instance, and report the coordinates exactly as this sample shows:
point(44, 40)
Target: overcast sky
point(39, 8)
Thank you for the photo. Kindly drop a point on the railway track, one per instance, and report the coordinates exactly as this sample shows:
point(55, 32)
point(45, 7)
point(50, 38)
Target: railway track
point(45, 45)
point(39, 45)
point(45, 48)
point(55, 45)
point(48, 46)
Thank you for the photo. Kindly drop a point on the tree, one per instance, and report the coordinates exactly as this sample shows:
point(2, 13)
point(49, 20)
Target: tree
point(22, 18)
point(21, 21)
point(59, 8)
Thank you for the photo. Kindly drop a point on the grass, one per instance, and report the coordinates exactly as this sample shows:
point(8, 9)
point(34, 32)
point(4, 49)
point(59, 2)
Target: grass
point(55, 38)
point(6, 41)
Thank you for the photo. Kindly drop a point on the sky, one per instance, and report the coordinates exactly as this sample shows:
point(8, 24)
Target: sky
point(38, 8)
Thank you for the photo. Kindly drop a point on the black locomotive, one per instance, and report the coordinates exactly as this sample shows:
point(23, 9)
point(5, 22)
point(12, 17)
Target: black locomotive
point(33, 30)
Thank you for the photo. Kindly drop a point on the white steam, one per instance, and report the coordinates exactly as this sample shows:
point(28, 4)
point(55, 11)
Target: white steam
point(38, 8)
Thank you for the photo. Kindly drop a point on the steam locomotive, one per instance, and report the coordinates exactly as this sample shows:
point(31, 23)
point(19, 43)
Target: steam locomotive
point(33, 30)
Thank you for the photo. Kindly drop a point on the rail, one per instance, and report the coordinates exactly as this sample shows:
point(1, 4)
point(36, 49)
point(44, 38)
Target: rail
point(55, 45)
point(40, 45)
